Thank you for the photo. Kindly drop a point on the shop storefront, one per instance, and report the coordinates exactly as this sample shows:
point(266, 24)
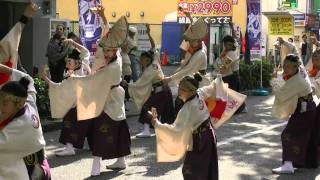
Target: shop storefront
point(218, 16)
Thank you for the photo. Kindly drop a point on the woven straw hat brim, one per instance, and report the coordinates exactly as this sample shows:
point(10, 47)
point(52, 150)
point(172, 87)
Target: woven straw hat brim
point(198, 30)
point(118, 34)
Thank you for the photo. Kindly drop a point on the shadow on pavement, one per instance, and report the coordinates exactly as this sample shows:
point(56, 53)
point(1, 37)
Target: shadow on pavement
point(254, 156)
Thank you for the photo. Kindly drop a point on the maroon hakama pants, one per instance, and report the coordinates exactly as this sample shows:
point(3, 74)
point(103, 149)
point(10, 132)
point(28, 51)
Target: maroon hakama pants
point(74, 131)
point(300, 138)
point(163, 102)
point(202, 162)
point(111, 139)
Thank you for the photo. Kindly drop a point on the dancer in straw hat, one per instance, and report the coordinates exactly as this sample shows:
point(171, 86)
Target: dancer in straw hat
point(100, 96)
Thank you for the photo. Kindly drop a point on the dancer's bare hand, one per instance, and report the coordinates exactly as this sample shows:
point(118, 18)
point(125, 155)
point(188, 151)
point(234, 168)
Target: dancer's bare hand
point(153, 113)
point(67, 42)
point(100, 10)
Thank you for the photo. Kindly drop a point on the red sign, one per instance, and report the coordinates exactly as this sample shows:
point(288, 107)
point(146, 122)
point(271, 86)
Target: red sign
point(206, 7)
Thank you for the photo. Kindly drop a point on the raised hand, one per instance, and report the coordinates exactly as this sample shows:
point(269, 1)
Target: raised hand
point(31, 9)
point(67, 42)
point(100, 10)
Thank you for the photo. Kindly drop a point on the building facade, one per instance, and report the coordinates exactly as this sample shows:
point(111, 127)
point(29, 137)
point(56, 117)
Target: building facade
point(304, 17)
point(152, 12)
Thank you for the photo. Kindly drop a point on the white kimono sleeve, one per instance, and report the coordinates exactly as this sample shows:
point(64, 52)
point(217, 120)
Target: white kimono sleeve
point(85, 55)
point(140, 90)
point(286, 98)
point(208, 91)
point(193, 66)
point(10, 44)
point(62, 97)
point(173, 140)
point(92, 92)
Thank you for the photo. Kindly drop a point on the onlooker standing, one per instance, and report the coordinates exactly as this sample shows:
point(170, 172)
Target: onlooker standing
point(305, 50)
point(135, 64)
point(276, 54)
point(285, 49)
point(56, 52)
point(315, 42)
point(126, 64)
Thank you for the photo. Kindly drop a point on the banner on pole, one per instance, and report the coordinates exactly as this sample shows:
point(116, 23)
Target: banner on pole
point(89, 24)
point(254, 27)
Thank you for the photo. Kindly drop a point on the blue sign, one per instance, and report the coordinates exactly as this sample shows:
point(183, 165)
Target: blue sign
point(299, 16)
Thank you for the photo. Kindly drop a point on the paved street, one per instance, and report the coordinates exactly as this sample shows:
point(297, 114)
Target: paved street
point(249, 147)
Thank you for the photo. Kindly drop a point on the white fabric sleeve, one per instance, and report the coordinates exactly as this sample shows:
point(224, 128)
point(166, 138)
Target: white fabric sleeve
point(173, 140)
point(192, 67)
point(85, 55)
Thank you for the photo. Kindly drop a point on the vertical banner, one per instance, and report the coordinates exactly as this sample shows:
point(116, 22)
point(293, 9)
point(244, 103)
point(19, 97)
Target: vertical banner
point(89, 24)
point(254, 27)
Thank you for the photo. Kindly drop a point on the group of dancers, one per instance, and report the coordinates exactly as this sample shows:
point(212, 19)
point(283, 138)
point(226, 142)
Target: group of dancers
point(91, 102)
point(93, 105)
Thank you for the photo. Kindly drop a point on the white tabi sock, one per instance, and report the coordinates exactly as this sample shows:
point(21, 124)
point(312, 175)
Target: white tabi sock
point(146, 127)
point(119, 164)
point(69, 146)
point(288, 164)
point(95, 171)
point(121, 160)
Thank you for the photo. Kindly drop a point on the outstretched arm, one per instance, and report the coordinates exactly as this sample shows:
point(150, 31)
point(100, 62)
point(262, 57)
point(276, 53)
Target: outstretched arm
point(153, 46)
point(100, 11)
point(10, 43)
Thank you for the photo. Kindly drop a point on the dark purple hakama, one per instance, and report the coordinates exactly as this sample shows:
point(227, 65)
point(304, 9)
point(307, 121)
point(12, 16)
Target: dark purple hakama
point(163, 102)
point(300, 138)
point(202, 162)
point(111, 139)
point(74, 131)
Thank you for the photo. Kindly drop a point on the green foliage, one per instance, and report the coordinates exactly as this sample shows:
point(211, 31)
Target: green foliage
point(43, 102)
point(250, 74)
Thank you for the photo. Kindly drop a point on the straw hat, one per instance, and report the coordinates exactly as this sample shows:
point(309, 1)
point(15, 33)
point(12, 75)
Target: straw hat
point(197, 30)
point(117, 34)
